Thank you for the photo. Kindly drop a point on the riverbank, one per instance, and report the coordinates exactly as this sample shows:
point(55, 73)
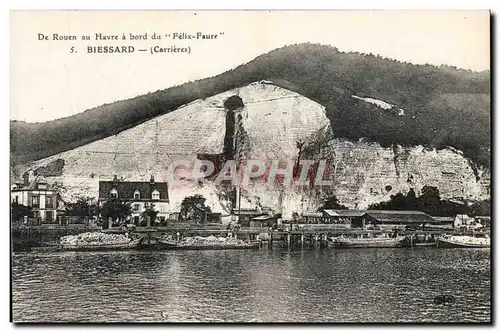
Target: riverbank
point(27, 237)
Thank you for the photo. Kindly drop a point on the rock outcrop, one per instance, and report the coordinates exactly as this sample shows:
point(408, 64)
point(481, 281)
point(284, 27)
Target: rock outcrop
point(269, 123)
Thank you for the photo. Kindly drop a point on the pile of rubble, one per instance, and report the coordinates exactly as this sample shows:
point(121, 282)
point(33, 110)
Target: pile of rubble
point(94, 238)
point(470, 240)
point(211, 240)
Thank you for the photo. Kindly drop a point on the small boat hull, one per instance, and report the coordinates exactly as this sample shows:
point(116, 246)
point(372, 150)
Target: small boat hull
point(102, 247)
point(369, 242)
point(425, 244)
point(207, 246)
point(446, 243)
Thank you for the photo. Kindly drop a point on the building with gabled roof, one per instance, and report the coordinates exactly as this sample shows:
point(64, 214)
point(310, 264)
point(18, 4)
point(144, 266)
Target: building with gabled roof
point(39, 195)
point(139, 194)
point(396, 217)
point(343, 213)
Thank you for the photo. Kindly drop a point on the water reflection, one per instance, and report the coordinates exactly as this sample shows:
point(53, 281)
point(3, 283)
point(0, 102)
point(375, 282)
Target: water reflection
point(372, 285)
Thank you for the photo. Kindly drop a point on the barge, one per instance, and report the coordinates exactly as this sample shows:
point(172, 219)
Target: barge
point(463, 242)
point(206, 246)
point(371, 242)
point(134, 244)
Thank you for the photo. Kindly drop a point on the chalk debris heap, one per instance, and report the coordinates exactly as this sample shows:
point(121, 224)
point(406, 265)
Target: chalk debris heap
point(95, 238)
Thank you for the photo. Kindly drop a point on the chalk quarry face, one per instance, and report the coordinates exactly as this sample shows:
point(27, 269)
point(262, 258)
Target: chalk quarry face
point(270, 124)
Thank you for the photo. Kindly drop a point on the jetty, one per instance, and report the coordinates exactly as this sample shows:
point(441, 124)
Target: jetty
point(25, 237)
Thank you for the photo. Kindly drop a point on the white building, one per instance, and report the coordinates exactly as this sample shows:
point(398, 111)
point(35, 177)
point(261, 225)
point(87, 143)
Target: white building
point(139, 195)
point(39, 195)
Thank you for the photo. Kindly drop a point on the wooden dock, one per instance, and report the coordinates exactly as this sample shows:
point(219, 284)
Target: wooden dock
point(33, 235)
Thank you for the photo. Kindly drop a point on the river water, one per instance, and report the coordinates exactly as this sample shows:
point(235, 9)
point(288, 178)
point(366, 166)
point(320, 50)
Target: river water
point(318, 285)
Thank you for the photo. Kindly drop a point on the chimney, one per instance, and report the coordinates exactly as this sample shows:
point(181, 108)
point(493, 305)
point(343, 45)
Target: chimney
point(115, 178)
point(26, 178)
point(152, 180)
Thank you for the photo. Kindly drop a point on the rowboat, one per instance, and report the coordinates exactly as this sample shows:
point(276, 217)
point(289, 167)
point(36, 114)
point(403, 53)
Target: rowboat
point(463, 242)
point(173, 245)
point(374, 242)
point(134, 244)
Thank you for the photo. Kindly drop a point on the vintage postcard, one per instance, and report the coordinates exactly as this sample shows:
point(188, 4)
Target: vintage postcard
point(250, 166)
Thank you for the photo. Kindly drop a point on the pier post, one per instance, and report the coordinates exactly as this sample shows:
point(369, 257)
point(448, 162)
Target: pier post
point(289, 239)
point(316, 240)
point(302, 240)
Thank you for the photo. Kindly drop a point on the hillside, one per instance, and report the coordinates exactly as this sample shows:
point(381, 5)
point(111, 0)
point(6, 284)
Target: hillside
point(266, 122)
point(443, 106)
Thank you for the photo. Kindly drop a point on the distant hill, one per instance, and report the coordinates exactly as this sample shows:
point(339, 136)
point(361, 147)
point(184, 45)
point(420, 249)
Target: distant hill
point(442, 106)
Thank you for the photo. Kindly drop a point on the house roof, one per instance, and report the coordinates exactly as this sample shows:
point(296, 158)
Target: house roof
point(32, 185)
point(344, 213)
point(127, 189)
point(400, 216)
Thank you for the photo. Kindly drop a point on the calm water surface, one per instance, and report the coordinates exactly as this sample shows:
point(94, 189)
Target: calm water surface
point(329, 285)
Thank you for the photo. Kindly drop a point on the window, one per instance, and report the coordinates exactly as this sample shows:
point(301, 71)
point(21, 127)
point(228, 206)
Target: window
point(156, 194)
point(137, 207)
point(137, 195)
point(35, 201)
point(16, 199)
point(113, 193)
point(42, 186)
point(49, 203)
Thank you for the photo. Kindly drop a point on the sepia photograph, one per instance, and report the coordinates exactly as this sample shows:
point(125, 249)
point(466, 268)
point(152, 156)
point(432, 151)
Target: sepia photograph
point(269, 166)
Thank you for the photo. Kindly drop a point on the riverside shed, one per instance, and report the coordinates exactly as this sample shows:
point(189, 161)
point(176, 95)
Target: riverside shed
point(395, 217)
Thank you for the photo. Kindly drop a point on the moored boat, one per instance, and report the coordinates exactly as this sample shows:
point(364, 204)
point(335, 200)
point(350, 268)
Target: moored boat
point(208, 243)
point(212, 246)
point(463, 241)
point(372, 242)
point(134, 244)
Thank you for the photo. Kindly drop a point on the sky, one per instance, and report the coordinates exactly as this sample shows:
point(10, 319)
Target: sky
point(47, 81)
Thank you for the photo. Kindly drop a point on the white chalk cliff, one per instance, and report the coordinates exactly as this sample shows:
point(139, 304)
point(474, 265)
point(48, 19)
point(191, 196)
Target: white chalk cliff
point(274, 120)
